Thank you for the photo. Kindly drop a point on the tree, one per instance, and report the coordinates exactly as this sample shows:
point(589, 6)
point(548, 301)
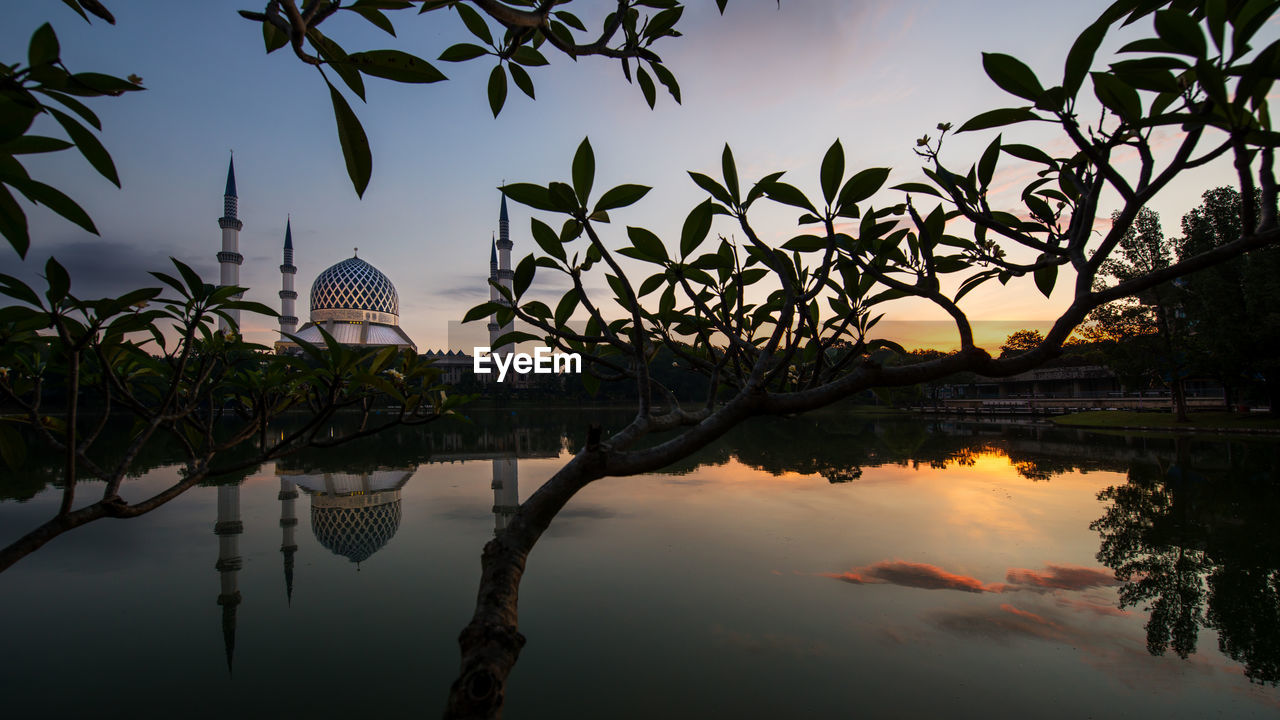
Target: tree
point(1142, 332)
point(1021, 341)
point(783, 327)
point(1231, 309)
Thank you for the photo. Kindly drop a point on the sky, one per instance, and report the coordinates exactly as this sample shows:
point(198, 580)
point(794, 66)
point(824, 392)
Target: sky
point(779, 83)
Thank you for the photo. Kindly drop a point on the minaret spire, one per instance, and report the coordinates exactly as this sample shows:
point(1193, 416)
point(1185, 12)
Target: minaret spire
point(288, 521)
point(288, 321)
point(229, 258)
point(501, 273)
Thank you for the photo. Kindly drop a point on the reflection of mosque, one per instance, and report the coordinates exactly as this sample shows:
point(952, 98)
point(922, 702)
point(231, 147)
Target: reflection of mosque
point(354, 515)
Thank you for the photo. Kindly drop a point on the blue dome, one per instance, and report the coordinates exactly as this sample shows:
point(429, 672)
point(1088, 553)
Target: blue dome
point(354, 284)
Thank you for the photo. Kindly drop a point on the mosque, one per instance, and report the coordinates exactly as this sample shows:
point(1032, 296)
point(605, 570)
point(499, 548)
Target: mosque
point(353, 301)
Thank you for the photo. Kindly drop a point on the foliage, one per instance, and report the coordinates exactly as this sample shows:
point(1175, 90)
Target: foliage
point(1232, 310)
point(1021, 341)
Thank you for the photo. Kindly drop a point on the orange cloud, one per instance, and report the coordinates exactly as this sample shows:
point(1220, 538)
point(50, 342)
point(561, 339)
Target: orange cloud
point(909, 574)
point(1062, 577)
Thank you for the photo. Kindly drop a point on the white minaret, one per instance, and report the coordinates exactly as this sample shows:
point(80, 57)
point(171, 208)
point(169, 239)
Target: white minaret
point(500, 272)
point(288, 522)
point(288, 321)
point(230, 258)
point(228, 528)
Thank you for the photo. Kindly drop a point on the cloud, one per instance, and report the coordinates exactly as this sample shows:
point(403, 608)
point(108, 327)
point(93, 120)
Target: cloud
point(909, 574)
point(1062, 577)
point(931, 577)
point(1005, 624)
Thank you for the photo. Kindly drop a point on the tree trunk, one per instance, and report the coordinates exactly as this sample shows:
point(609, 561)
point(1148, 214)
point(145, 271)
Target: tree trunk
point(1179, 401)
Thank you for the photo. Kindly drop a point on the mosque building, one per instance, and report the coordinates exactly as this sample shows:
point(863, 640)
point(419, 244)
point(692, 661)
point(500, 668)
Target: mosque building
point(354, 302)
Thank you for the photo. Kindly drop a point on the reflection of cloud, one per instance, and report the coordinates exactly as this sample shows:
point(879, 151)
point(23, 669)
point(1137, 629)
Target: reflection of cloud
point(769, 643)
point(1062, 577)
point(932, 577)
point(1091, 606)
point(909, 574)
point(1007, 624)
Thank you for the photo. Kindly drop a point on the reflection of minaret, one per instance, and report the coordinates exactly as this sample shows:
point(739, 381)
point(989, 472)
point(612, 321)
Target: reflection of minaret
point(288, 521)
point(228, 529)
point(506, 491)
point(229, 257)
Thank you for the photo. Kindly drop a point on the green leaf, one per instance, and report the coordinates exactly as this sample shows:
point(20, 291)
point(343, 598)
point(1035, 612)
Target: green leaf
point(915, 187)
point(56, 201)
point(514, 337)
point(74, 106)
point(58, 279)
point(1180, 31)
point(696, 226)
point(497, 87)
point(462, 52)
point(584, 171)
point(651, 283)
point(789, 195)
point(395, 65)
point(563, 197)
point(30, 144)
point(521, 79)
point(43, 48)
point(547, 239)
point(524, 275)
point(1117, 96)
point(621, 196)
point(481, 311)
point(526, 55)
point(832, 171)
point(998, 118)
point(711, 186)
point(355, 144)
point(730, 170)
point(863, 185)
point(667, 79)
point(647, 243)
point(1029, 152)
point(88, 145)
point(1080, 57)
point(1012, 75)
point(375, 17)
point(535, 196)
point(273, 38)
point(806, 243)
point(987, 163)
point(339, 61)
point(474, 23)
point(646, 87)
point(568, 303)
point(1045, 278)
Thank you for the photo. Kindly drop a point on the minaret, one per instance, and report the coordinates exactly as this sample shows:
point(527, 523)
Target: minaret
point(288, 321)
point(228, 529)
point(288, 522)
point(506, 491)
point(230, 258)
point(500, 271)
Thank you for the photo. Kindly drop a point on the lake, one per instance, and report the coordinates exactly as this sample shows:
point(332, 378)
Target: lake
point(828, 565)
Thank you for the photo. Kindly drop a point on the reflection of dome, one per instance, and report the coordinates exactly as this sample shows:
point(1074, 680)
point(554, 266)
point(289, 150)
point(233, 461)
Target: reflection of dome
point(355, 530)
point(353, 284)
point(355, 514)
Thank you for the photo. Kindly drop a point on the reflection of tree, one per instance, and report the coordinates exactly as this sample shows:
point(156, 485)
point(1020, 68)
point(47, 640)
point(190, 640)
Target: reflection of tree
point(1188, 549)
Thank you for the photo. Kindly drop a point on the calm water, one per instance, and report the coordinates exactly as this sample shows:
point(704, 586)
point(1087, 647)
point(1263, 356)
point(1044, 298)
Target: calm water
point(816, 567)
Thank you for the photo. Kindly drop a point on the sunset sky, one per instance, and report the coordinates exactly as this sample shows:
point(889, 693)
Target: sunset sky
point(779, 84)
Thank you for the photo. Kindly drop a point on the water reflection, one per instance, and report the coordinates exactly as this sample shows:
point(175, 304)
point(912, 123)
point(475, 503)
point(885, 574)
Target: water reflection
point(1192, 536)
point(892, 547)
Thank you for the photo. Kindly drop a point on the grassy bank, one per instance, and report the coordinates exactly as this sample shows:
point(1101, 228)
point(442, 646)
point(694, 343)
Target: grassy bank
point(1207, 421)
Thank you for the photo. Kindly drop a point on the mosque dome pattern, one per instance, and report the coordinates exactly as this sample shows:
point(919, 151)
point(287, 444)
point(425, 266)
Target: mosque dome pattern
point(354, 284)
point(356, 533)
